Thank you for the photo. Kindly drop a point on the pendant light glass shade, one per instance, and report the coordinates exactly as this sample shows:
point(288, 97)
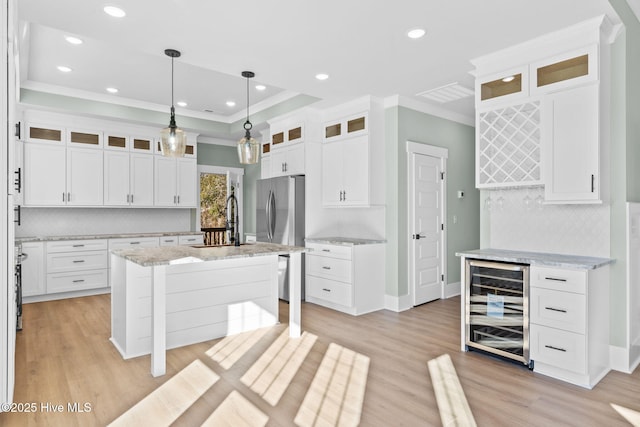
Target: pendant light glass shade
point(248, 147)
point(173, 140)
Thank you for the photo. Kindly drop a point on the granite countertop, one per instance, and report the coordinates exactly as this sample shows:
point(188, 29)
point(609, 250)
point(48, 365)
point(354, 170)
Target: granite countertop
point(104, 236)
point(168, 255)
point(346, 241)
point(537, 258)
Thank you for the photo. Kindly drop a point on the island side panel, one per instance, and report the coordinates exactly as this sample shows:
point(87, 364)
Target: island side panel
point(118, 303)
point(204, 301)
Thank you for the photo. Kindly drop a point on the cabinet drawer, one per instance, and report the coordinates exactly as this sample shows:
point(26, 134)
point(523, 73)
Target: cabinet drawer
point(76, 261)
point(191, 240)
point(560, 310)
point(334, 251)
point(169, 241)
point(76, 245)
point(563, 349)
point(330, 268)
point(133, 242)
point(66, 282)
point(329, 290)
point(559, 279)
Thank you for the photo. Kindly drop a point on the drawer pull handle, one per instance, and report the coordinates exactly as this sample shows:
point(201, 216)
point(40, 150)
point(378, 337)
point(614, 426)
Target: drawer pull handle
point(326, 268)
point(78, 246)
point(326, 250)
point(134, 243)
point(555, 279)
point(326, 290)
point(556, 348)
point(559, 310)
point(78, 281)
point(76, 261)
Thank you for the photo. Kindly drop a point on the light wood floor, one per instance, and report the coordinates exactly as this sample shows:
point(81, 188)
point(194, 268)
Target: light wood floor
point(64, 355)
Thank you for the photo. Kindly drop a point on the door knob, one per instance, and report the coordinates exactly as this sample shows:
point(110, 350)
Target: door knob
point(419, 236)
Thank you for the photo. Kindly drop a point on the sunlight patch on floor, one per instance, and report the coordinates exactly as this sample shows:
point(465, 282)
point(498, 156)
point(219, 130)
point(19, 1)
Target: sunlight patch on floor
point(166, 403)
point(628, 414)
point(236, 411)
point(270, 376)
point(452, 403)
point(230, 349)
point(336, 394)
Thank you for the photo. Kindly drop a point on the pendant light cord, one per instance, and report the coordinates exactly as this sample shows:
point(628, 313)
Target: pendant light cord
point(247, 98)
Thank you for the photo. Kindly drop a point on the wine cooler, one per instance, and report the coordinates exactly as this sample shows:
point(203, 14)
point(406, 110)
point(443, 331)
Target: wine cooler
point(497, 309)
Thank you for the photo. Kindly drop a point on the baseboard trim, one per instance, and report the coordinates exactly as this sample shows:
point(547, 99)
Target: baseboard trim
point(397, 304)
point(451, 289)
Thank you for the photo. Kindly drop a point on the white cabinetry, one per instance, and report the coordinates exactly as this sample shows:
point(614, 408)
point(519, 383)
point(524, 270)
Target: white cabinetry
point(571, 123)
point(287, 161)
point(74, 265)
point(33, 277)
point(58, 175)
point(345, 278)
point(569, 323)
point(194, 239)
point(345, 172)
point(44, 175)
point(84, 177)
point(176, 182)
point(128, 179)
point(561, 146)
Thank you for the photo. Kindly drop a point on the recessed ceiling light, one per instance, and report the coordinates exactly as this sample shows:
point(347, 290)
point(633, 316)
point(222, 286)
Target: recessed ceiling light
point(508, 79)
point(73, 40)
point(112, 90)
point(261, 87)
point(64, 68)
point(114, 11)
point(322, 76)
point(231, 104)
point(181, 104)
point(416, 33)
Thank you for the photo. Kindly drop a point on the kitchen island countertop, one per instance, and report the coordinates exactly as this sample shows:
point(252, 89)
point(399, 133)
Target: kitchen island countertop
point(169, 255)
point(104, 236)
point(537, 258)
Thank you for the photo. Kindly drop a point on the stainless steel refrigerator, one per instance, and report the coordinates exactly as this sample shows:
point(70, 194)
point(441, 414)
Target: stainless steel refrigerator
point(280, 219)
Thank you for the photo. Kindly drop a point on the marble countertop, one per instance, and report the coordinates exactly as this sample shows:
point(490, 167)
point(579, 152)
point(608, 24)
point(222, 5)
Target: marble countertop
point(168, 255)
point(104, 236)
point(347, 241)
point(537, 258)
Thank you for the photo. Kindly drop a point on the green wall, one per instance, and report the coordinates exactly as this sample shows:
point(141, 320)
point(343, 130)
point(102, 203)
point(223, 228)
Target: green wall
point(227, 156)
point(625, 159)
point(402, 125)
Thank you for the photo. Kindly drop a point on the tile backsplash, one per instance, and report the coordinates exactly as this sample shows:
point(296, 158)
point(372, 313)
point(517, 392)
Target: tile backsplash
point(89, 221)
point(517, 219)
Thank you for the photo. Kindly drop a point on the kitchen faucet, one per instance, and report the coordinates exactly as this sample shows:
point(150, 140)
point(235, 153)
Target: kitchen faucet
point(231, 223)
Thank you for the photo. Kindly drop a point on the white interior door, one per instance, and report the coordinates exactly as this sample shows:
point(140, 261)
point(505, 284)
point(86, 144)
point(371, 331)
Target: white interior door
point(426, 227)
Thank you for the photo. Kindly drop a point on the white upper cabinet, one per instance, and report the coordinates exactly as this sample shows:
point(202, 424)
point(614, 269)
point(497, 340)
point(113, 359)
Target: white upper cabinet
point(45, 175)
point(351, 144)
point(128, 179)
point(176, 182)
point(69, 165)
point(283, 148)
point(539, 115)
point(84, 177)
point(571, 126)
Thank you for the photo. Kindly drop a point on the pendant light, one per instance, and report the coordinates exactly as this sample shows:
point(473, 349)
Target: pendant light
point(248, 147)
point(173, 139)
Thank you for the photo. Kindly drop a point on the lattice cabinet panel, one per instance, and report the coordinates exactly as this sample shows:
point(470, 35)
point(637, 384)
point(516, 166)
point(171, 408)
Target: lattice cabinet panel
point(508, 146)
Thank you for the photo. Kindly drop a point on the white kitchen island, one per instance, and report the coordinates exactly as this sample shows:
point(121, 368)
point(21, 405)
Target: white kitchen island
point(168, 297)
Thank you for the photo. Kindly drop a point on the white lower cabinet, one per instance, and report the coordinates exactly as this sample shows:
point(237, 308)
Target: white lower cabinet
point(195, 239)
point(75, 265)
point(347, 278)
point(569, 323)
point(32, 266)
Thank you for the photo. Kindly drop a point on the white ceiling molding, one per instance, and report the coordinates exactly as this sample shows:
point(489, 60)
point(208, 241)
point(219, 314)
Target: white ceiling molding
point(403, 101)
point(215, 141)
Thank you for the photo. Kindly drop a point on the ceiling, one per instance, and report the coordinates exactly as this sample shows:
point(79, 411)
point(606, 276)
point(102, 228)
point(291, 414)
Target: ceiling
point(361, 44)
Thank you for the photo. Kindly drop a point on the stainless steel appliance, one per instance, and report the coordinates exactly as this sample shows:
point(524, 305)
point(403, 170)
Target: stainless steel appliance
point(280, 219)
point(497, 309)
point(18, 257)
